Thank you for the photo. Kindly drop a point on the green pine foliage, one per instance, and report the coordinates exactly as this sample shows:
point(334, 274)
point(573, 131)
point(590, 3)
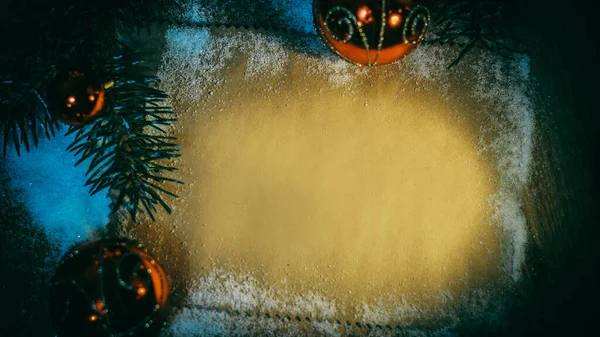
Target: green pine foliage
point(473, 24)
point(23, 114)
point(128, 146)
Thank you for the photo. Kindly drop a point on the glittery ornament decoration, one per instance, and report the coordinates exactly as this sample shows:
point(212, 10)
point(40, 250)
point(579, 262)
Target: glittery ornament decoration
point(108, 288)
point(371, 32)
point(76, 97)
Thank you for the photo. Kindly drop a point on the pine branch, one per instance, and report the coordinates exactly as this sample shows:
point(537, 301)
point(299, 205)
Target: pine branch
point(471, 24)
point(128, 145)
point(23, 112)
point(40, 36)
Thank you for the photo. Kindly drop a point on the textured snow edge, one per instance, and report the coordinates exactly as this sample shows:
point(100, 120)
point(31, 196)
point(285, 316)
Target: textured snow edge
point(503, 83)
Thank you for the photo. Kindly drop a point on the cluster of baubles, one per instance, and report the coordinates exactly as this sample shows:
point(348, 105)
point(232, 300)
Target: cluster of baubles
point(114, 287)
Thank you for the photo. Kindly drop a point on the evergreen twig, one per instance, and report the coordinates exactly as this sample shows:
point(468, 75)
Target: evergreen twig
point(39, 36)
point(473, 23)
point(127, 147)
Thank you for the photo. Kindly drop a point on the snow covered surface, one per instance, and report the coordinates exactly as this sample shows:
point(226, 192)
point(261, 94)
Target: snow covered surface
point(505, 137)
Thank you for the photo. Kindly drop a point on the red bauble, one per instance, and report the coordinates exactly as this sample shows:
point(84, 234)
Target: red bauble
point(108, 288)
point(76, 97)
point(371, 32)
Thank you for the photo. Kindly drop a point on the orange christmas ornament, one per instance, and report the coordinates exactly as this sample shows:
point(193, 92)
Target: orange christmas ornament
point(109, 288)
point(76, 97)
point(371, 32)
